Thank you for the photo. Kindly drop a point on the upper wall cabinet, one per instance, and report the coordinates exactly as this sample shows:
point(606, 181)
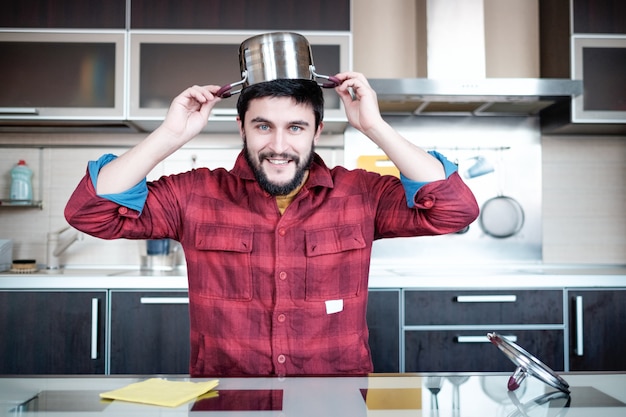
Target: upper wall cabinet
point(258, 15)
point(599, 16)
point(62, 75)
point(586, 40)
point(164, 63)
point(63, 14)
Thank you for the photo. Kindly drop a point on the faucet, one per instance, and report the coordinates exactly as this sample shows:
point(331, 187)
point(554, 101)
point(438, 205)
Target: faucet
point(56, 245)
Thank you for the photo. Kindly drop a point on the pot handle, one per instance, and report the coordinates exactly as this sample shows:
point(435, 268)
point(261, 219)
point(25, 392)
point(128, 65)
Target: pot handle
point(332, 81)
point(226, 92)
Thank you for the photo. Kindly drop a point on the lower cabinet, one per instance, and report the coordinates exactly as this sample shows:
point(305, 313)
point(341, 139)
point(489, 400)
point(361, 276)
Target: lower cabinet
point(52, 332)
point(383, 320)
point(149, 332)
point(469, 351)
point(597, 322)
point(446, 331)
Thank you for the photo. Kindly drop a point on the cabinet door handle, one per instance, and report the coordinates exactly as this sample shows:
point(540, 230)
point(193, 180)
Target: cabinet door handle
point(94, 328)
point(164, 300)
point(18, 110)
point(486, 298)
point(579, 325)
point(481, 339)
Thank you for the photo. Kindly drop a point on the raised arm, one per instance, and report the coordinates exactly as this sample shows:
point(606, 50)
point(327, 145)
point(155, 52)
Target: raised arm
point(363, 114)
point(186, 117)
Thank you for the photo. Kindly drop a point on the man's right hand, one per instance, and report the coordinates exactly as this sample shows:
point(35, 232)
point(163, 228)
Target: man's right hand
point(189, 112)
point(186, 117)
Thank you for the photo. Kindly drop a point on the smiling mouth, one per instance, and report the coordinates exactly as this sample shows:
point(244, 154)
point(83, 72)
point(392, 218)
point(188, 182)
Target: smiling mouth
point(278, 161)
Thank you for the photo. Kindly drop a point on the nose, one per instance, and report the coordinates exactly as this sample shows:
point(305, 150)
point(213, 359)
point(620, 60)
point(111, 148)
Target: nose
point(279, 142)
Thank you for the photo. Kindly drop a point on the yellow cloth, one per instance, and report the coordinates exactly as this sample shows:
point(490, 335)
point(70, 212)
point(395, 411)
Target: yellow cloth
point(158, 391)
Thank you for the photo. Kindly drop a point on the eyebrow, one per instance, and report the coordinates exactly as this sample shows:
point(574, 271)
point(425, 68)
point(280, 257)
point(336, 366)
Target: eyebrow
point(293, 122)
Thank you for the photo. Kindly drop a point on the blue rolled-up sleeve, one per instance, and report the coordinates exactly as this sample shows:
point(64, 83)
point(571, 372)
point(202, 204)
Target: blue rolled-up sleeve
point(133, 198)
point(412, 187)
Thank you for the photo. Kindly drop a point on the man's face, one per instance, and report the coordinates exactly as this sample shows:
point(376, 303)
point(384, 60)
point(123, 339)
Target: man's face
point(279, 138)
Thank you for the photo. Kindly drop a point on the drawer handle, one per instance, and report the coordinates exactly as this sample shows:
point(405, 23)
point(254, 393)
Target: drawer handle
point(94, 328)
point(481, 339)
point(164, 300)
point(18, 110)
point(579, 325)
point(486, 298)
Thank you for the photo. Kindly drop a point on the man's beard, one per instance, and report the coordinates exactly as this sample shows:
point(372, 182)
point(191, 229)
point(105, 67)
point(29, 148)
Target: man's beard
point(265, 183)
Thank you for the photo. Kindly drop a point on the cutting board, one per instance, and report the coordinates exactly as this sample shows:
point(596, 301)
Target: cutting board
point(377, 163)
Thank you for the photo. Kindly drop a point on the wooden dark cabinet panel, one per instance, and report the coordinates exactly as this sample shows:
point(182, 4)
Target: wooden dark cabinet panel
point(483, 307)
point(67, 14)
point(46, 332)
point(149, 332)
point(603, 332)
point(383, 320)
point(599, 16)
point(441, 351)
point(262, 15)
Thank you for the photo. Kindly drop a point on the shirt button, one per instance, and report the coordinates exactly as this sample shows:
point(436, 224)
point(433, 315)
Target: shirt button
point(281, 359)
point(122, 210)
point(282, 275)
point(282, 232)
point(281, 318)
point(428, 203)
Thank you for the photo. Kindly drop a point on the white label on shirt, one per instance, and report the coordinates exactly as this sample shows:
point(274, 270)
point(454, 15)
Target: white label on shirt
point(334, 306)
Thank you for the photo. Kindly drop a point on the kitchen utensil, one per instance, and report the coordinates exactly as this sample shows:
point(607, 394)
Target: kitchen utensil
point(433, 383)
point(272, 56)
point(457, 381)
point(527, 364)
point(481, 166)
point(501, 216)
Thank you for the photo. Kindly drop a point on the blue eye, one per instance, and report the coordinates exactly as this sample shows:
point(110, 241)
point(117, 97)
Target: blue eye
point(295, 128)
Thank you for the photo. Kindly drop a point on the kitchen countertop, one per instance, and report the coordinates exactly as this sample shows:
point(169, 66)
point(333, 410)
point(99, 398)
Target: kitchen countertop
point(479, 394)
point(382, 275)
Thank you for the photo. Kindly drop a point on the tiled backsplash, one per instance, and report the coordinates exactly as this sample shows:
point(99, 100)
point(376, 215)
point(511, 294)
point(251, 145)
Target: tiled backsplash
point(583, 195)
point(59, 173)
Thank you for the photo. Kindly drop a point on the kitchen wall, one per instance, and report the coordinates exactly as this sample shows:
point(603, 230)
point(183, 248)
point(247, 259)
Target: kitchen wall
point(583, 178)
point(59, 167)
point(584, 199)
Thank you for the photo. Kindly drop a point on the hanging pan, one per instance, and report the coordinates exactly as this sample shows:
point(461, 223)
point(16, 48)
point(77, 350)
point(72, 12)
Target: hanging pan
point(272, 56)
point(501, 216)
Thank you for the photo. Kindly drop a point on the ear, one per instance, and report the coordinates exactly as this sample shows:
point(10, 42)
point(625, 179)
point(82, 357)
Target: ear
point(240, 126)
point(318, 133)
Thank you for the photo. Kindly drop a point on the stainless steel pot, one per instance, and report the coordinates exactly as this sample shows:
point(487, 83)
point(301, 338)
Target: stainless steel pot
point(272, 56)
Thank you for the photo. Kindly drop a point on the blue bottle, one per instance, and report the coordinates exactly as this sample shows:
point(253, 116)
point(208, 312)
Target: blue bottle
point(21, 182)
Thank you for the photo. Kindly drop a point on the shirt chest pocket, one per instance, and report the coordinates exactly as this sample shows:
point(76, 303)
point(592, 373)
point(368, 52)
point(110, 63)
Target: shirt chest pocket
point(224, 262)
point(336, 262)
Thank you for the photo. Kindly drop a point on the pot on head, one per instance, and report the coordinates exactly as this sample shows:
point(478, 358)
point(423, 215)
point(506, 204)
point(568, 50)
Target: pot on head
point(272, 56)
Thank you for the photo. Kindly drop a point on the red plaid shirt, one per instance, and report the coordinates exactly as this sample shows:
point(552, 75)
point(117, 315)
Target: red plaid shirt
point(272, 294)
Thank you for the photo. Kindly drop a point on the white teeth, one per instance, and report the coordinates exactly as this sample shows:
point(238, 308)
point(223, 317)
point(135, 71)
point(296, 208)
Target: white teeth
point(278, 161)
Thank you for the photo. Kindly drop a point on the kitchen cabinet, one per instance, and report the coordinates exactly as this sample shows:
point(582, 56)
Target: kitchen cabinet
point(149, 332)
point(63, 14)
point(383, 320)
point(585, 40)
point(597, 322)
point(50, 332)
point(259, 15)
point(599, 16)
point(165, 63)
point(48, 76)
point(446, 330)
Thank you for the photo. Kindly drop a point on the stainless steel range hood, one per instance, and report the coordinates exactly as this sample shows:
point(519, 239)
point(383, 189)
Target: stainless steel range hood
point(477, 97)
point(464, 41)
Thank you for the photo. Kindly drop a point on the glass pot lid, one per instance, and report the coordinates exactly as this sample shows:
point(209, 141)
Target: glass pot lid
point(527, 364)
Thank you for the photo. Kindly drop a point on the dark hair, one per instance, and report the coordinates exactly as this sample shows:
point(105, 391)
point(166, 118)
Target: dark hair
point(303, 91)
